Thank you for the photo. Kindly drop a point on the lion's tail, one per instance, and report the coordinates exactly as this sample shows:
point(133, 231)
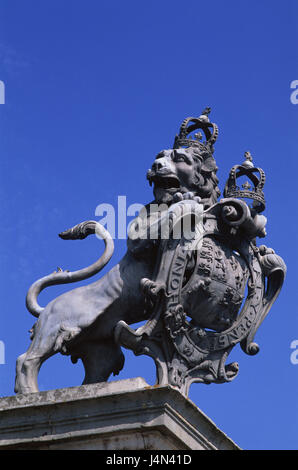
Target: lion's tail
point(79, 231)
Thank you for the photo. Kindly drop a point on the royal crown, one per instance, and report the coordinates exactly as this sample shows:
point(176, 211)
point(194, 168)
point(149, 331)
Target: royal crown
point(252, 191)
point(191, 124)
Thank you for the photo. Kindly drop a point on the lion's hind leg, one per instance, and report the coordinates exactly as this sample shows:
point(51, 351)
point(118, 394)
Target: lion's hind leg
point(18, 388)
point(46, 341)
point(27, 368)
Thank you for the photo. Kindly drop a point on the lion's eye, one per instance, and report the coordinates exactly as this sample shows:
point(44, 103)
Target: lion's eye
point(179, 158)
point(182, 158)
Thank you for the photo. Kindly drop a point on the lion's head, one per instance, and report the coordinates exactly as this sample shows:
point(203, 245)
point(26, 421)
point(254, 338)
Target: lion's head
point(184, 170)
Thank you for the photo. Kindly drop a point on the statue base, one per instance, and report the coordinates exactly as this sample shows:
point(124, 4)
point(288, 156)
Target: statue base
point(121, 415)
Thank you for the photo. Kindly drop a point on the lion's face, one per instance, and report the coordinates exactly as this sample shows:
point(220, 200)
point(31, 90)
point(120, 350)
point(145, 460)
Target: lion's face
point(182, 170)
point(173, 171)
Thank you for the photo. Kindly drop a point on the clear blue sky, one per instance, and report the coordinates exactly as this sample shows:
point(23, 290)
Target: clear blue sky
point(94, 89)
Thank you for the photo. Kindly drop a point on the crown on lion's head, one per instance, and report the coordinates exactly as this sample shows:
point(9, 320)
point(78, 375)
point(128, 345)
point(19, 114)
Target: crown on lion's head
point(192, 124)
point(199, 176)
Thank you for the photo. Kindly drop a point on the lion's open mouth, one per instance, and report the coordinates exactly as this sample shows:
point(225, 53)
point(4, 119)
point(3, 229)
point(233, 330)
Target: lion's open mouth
point(166, 182)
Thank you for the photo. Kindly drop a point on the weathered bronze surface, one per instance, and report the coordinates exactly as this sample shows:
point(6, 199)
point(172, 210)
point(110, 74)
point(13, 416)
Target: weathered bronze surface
point(199, 291)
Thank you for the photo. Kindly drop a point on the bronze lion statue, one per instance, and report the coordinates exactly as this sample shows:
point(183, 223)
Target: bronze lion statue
point(81, 322)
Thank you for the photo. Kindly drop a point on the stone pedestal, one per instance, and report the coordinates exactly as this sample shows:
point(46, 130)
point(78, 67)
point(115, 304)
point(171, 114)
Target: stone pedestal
point(120, 415)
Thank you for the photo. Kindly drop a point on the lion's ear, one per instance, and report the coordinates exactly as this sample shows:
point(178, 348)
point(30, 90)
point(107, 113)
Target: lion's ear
point(209, 164)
